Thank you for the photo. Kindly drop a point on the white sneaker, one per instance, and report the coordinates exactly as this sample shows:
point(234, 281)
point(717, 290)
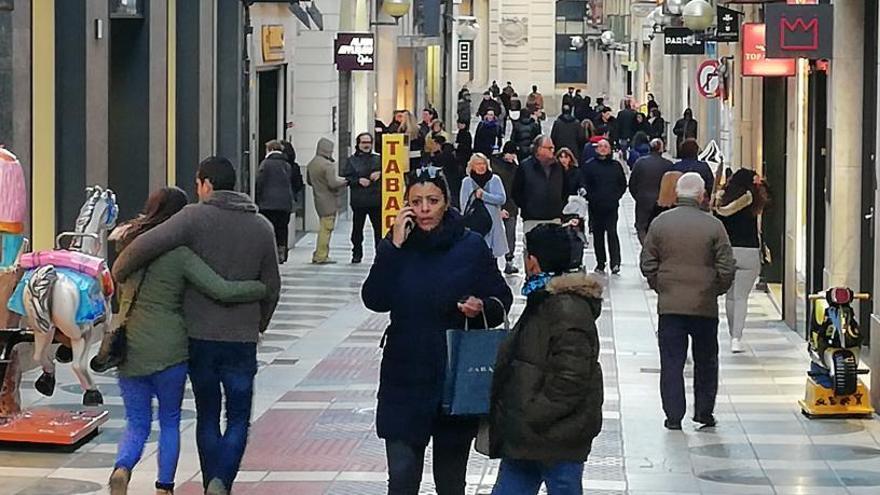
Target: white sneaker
point(736, 346)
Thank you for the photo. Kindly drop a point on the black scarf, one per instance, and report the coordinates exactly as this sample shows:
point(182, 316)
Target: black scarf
point(442, 238)
point(481, 179)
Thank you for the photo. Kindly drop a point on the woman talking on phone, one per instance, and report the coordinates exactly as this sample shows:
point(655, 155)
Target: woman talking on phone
point(432, 275)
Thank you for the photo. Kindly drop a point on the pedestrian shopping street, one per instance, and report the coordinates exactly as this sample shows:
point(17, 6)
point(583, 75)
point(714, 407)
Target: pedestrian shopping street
point(314, 410)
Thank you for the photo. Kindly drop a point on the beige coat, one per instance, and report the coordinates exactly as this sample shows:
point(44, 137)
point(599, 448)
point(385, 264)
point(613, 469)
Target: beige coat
point(688, 261)
point(325, 181)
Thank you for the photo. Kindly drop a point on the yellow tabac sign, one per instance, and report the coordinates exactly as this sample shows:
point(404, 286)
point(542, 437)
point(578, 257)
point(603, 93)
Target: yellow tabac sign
point(395, 163)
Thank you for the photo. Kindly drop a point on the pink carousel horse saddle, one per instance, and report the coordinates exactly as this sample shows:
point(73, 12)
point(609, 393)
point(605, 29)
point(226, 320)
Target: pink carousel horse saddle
point(89, 265)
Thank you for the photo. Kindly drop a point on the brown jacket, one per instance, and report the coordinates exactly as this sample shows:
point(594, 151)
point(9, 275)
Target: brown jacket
point(688, 261)
point(325, 182)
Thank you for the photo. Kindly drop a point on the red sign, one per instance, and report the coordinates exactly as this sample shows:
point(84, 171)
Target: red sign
point(708, 79)
point(755, 61)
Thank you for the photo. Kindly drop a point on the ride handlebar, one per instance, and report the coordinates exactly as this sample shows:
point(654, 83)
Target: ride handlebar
point(864, 296)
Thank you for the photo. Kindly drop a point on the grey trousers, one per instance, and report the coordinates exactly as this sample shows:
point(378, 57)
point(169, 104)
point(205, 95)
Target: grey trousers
point(748, 267)
point(510, 231)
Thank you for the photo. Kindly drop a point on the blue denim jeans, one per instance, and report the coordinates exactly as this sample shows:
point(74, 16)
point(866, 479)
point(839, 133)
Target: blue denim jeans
point(525, 478)
point(233, 366)
point(137, 394)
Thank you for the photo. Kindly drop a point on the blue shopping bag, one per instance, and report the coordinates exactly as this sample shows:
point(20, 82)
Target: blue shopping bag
point(470, 365)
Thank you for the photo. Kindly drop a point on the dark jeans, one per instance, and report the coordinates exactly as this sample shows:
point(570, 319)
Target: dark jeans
point(604, 223)
point(280, 220)
point(673, 339)
point(452, 445)
point(510, 232)
point(357, 228)
point(233, 366)
point(525, 478)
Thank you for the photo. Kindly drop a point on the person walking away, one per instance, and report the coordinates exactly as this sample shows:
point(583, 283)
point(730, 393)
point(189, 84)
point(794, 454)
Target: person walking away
point(667, 198)
point(506, 95)
point(689, 161)
point(605, 183)
point(539, 187)
point(488, 135)
point(640, 146)
point(156, 342)
point(739, 207)
point(327, 187)
point(275, 186)
point(428, 242)
point(363, 171)
point(480, 183)
point(525, 130)
point(225, 231)
point(644, 185)
point(581, 106)
point(495, 90)
point(296, 178)
point(626, 125)
point(504, 166)
point(688, 261)
point(658, 125)
point(568, 101)
point(567, 132)
point(535, 104)
point(463, 108)
point(547, 390)
point(488, 104)
point(685, 128)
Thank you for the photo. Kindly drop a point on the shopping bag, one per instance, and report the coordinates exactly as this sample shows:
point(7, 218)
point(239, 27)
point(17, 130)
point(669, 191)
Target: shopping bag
point(471, 362)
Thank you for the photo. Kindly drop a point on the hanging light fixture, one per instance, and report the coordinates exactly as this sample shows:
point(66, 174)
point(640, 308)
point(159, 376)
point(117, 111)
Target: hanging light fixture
point(396, 8)
point(698, 15)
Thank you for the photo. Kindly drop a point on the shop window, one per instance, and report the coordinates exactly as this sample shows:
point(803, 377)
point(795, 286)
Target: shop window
point(572, 18)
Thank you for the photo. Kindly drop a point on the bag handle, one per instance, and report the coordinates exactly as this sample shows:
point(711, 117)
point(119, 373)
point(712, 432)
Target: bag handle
point(486, 321)
point(134, 296)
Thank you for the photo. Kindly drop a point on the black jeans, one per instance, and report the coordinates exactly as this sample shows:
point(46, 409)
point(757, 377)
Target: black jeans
point(604, 223)
point(673, 340)
point(452, 445)
point(280, 219)
point(357, 228)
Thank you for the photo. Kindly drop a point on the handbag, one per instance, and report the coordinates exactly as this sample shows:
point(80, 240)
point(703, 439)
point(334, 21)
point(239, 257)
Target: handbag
point(476, 216)
point(470, 365)
point(114, 344)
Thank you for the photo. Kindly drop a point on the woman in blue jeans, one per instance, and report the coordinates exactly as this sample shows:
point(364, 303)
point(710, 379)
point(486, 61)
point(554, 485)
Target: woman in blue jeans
point(156, 358)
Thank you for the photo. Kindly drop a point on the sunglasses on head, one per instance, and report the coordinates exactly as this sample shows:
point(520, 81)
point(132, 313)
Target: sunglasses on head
point(426, 173)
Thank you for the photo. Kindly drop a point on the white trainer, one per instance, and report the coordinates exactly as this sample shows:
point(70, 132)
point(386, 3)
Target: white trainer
point(736, 346)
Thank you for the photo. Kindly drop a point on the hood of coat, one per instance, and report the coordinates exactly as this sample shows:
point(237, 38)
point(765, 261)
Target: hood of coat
point(325, 149)
point(567, 118)
point(231, 200)
point(580, 284)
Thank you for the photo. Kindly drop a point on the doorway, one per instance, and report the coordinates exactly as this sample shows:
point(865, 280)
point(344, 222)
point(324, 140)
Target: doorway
point(818, 185)
point(869, 164)
point(268, 118)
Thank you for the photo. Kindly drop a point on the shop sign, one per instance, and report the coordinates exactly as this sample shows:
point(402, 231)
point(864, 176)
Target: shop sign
point(728, 25)
point(464, 56)
point(395, 164)
point(755, 61)
point(354, 51)
point(794, 31)
point(682, 41)
point(273, 43)
point(709, 79)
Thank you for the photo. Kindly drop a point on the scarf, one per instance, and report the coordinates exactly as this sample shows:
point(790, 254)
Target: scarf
point(536, 282)
point(481, 179)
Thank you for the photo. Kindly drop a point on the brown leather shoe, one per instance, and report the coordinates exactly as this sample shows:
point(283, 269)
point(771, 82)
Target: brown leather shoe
point(119, 479)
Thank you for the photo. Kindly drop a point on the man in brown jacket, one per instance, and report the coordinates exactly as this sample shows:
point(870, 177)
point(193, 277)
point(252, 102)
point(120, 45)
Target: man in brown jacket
point(688, 261)
point(327, 186)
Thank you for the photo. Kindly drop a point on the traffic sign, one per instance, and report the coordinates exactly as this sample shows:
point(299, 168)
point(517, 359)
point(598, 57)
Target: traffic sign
point(709, 79)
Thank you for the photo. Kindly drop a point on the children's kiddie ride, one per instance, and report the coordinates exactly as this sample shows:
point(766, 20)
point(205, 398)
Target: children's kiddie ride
point(833, 386)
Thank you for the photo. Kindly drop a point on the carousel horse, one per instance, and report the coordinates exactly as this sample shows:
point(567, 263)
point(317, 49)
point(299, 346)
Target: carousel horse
point(69, 291)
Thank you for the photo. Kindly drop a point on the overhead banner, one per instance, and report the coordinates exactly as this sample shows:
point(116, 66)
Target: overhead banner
point(682, 41)
point(805, 31)
point(395, 165)
point(354, 51)
point(755, 61)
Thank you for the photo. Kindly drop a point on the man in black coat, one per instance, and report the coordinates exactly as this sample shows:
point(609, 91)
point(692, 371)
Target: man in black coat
point(626, 125)
point(568, 100)
point(568, 133)
point(539, 186)
point(525, 130)
point(605, 182)
point(644, 184)
point(487, 104)
point(363, 170)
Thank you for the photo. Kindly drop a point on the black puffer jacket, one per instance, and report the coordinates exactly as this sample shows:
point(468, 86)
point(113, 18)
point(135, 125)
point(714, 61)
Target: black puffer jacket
point(525, 130)
point(547, 389)
point(539, 196)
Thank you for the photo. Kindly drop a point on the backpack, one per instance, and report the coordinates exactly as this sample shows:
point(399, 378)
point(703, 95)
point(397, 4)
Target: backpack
point(476, 216)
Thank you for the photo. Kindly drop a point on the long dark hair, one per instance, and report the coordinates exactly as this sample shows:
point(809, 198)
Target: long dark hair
point(742, 181)
point(160, 206)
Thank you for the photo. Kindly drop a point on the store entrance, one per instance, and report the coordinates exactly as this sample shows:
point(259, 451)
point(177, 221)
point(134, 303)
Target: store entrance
point(818, 150)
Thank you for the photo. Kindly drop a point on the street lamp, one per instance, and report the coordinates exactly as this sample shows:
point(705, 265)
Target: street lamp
point(392, 8)
point(698, 15)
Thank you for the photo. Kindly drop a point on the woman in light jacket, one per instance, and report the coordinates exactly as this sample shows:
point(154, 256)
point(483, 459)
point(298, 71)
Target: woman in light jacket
point(481, 183)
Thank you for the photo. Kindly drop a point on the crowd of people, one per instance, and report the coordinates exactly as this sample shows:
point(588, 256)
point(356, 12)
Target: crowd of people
point(206, 277)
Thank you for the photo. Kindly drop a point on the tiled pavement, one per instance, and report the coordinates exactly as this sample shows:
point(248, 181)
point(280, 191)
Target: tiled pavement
point(313, 427)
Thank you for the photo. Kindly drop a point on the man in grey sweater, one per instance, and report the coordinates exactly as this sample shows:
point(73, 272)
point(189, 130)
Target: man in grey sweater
point(688, 261)
point(225, 230)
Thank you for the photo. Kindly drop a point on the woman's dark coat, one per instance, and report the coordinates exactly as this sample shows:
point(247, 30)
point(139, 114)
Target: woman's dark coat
point(547, 389)
point(420, 284)
point(275, 183)
point(488, 135)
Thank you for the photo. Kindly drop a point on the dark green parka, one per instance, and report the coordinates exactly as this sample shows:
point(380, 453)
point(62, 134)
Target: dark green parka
point(547, 388)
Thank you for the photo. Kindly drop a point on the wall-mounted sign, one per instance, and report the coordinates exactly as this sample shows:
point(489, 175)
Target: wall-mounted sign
point(273, 43)
point(709, 79)
point(395, 165)
point(755, 61)
point(728, 25)
point(354, 51)
point(465, 55)
point(799, 31)
point(682, 41)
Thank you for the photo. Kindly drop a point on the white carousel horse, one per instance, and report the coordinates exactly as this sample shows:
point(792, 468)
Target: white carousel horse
point(51, 298)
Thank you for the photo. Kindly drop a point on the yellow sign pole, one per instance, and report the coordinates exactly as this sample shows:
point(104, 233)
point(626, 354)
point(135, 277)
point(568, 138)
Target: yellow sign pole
point(395, 163)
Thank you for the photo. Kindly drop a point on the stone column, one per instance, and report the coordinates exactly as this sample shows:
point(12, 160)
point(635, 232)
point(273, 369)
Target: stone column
point(843, 222)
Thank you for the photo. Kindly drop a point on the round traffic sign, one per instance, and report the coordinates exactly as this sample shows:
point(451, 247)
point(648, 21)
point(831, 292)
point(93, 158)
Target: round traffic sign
point(708, 79)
